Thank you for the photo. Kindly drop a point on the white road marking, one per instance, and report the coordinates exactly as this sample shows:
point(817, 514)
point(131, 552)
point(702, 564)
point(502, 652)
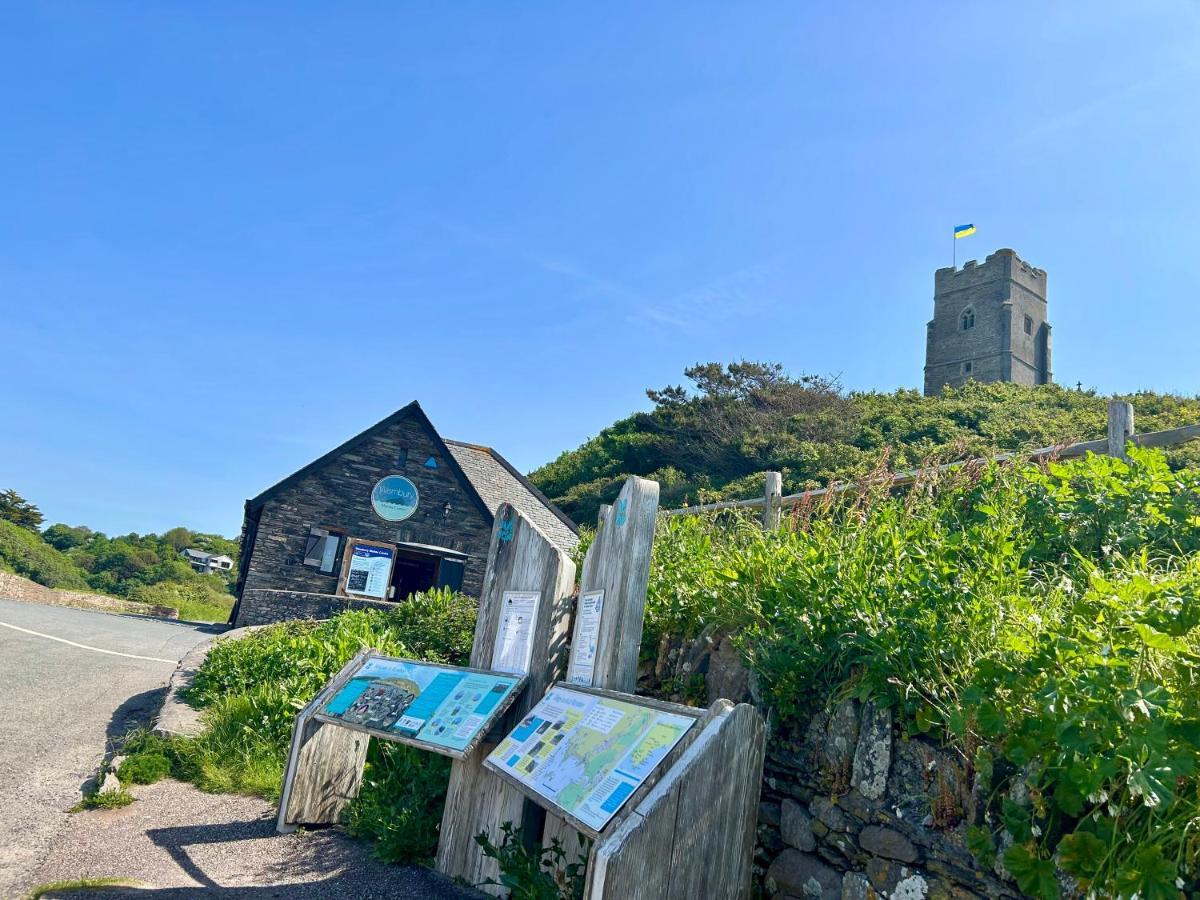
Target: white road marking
point(86, 647)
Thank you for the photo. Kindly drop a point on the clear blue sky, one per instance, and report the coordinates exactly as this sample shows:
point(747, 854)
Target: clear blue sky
point(232, 235)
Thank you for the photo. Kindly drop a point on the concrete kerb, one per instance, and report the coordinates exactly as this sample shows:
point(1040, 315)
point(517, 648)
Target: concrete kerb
point(177, 718)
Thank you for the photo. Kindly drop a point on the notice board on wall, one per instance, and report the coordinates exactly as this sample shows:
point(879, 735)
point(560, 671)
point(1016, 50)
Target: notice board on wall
point(584, 752)
point(446, 709)
point(367, 571)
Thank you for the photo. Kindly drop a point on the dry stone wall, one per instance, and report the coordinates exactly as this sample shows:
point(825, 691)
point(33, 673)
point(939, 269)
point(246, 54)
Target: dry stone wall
point(849, 810)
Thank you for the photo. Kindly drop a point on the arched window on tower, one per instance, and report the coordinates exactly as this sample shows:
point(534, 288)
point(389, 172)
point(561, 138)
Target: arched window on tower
point(968, 319)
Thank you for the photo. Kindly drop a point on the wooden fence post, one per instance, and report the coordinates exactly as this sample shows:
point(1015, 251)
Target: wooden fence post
point(772, 508)
point(1120, 427)
point(520, 558)
point(608, 628)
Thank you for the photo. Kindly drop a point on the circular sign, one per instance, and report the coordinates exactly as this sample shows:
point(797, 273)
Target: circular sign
point(395, 498)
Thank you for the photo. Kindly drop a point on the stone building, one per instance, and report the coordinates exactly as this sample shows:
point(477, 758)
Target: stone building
point(395, 510)
point(989, 324)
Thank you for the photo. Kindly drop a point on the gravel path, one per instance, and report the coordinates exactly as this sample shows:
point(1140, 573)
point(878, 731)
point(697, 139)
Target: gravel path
point(176, 842)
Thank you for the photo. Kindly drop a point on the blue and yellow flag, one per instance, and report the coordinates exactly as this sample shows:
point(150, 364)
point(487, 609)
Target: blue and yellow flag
point(963, 230)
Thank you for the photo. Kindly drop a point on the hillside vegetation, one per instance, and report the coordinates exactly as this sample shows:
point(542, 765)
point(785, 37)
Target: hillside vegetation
point(714, 439)
point(145, 568)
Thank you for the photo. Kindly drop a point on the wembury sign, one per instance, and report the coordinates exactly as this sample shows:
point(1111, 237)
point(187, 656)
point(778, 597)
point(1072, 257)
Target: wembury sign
point(394, 498)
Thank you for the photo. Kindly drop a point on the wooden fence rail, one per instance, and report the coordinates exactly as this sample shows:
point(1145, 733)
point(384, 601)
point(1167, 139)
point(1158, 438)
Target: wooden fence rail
point(1120, 433)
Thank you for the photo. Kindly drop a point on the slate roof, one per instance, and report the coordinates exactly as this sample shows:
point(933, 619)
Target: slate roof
point(497, 482)
point(489, 477)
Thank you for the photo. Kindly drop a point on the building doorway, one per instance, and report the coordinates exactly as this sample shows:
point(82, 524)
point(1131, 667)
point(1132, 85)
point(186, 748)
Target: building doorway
point(413, 572)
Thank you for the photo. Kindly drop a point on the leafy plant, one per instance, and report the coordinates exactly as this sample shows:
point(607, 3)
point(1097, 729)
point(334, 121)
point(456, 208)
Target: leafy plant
point(536, 872)
point(144, 768)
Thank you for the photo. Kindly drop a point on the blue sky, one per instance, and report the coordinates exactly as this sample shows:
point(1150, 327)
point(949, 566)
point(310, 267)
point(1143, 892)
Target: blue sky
point(234, 235)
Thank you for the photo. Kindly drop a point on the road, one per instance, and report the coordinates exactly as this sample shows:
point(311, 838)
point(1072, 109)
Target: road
point(72, 679)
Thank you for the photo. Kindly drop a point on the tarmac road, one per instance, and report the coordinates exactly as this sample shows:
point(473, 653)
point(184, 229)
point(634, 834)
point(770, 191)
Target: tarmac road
point(70, 680)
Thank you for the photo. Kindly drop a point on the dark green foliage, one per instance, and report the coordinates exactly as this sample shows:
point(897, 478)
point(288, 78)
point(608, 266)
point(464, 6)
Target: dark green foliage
point(534, 873)
point(400, 806)
point(144, 768)
point(1044, 620)
point(16, 509)
point(714, 441)
point(27, 554)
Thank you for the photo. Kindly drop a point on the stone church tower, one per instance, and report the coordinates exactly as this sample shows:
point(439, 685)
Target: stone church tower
point(989, 324)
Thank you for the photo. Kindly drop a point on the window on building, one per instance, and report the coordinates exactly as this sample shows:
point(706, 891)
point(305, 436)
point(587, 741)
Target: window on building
point(402, 459)
point(1029, 324)
point(968, 319)
point(323, 550)
point(966, 368)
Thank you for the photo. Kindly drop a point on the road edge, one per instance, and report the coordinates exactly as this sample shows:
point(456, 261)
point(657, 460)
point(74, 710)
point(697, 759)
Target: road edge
point(177, 718)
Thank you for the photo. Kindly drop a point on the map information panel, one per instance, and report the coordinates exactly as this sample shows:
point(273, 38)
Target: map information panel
point(441, 706)
point(587, 754)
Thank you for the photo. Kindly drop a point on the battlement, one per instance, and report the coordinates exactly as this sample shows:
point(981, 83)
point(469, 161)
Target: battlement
point(1003, 264)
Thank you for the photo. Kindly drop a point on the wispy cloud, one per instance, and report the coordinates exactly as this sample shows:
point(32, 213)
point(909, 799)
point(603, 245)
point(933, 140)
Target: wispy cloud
point(735, 293)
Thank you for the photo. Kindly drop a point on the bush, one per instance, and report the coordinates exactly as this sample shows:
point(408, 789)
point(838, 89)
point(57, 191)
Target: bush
point(144, 768)
point(27, 554)
point(1044, 620)
point(197, 598)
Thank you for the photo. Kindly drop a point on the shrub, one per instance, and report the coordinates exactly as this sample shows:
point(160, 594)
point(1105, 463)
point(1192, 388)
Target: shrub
point(197, 598)
point(27, 554)
point(144, 768)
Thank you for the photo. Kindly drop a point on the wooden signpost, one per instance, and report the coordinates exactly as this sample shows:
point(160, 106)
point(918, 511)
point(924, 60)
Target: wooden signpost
point(616, 572)
point(521, 562)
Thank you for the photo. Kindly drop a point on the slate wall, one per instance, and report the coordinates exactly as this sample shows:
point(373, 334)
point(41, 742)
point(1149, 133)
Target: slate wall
point(261, 607)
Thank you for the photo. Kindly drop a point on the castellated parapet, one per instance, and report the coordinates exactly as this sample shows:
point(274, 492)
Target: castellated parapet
point(989, 324)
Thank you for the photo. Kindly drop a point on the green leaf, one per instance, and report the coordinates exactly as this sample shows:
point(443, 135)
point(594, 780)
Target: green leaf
point(1149, 876)
point(1017, 820)
point(981, 845)
point(1035, 876)
point(1153, 784)
point(991, 720)
point(1156, 640)
point(1081, 853)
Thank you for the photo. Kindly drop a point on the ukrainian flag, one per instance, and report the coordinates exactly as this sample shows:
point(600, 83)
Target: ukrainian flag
point(963, 230)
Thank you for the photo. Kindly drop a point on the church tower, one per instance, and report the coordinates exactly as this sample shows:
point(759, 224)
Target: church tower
point(989, 324)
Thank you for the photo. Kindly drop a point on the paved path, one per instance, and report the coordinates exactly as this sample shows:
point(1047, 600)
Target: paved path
point(71, 679)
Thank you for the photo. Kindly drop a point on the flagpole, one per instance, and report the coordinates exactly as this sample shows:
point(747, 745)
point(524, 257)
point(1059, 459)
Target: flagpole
point(953, 250)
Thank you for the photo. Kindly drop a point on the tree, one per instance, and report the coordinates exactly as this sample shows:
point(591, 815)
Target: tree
point(19, 511)
point(67, 537)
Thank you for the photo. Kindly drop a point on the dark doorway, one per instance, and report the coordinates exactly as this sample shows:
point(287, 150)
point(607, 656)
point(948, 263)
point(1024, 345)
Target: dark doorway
point(413, 572)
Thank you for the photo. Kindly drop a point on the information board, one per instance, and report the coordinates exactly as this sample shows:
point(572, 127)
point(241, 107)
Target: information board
point(586, 753)
point(587, 634)
point(442, 708)
point(369, 571)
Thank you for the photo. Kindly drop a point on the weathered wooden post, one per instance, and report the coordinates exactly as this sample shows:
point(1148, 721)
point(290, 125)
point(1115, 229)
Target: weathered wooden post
point(325, 765)
point(1120, 427)
point(771, 501)
point(527, 578)
point(611, 608)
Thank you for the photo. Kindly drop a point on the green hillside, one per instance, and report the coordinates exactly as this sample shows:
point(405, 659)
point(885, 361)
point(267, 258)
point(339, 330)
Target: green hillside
point(713, 440)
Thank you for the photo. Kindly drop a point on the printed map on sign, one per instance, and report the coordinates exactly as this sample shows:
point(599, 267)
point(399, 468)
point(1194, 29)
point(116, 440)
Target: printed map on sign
point(587, 754)
point(440, 705)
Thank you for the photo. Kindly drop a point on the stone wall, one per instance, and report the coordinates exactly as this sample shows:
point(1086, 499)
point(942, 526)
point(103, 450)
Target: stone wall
point(850, 810)
point(261, 607)
point(14, 587)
